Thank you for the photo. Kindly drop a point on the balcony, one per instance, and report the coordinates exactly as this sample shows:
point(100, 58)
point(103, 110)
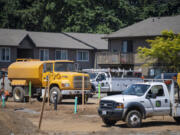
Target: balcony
point(114, 58)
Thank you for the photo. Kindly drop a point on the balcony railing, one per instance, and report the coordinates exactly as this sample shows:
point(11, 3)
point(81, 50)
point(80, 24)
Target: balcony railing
point(114, 58)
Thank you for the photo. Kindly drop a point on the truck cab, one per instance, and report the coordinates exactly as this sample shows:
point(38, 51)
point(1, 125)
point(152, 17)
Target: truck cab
point(112, 81)
point(139, 101)
point(102, 78)
point(59, 76)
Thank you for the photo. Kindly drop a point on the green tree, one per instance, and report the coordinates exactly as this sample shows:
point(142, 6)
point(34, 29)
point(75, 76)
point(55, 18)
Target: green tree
point(164, 50)
point(92, 16)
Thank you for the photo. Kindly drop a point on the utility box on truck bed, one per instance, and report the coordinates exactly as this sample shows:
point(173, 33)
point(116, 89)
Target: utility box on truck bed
point(62, 76)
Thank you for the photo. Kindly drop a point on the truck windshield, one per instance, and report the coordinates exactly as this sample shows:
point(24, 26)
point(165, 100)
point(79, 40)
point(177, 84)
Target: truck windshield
point(136, 89)
point(64, 66)
point(92, 75)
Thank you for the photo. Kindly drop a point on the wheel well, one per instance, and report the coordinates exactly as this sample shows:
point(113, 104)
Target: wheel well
point(53, 85)
point(134, 108)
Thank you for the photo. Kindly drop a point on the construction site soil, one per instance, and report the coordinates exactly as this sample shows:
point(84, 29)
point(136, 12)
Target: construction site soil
point(23, 119)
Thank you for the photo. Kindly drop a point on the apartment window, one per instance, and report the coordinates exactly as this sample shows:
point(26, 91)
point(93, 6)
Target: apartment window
point(5, 54)
point(127, 46)
point(61, 54)
point(44, 54)
point(82, 56)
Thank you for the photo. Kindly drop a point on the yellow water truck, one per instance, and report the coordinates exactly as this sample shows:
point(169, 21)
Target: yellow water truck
point(59, 75)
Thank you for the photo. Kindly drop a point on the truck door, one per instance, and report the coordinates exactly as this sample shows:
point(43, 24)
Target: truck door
point(159, 100)
point(47, 70)
point(102, 79)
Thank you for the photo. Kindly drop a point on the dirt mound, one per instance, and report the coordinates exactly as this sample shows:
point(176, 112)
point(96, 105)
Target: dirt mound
point(13, 123)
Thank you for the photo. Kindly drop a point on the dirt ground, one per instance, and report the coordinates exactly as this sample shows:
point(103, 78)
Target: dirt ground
point(23, 118)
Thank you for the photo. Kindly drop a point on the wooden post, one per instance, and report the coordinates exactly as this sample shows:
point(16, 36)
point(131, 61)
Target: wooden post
point(48, 91)
point(43, 104)
point(83, 92)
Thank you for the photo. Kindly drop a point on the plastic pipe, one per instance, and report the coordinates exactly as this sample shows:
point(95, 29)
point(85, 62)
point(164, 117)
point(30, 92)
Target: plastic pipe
point(99, 91)
point(3, 101)
point(29, 88)
point(75, 105)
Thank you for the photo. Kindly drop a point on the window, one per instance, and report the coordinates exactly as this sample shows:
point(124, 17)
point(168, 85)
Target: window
point(157, 90)
point(114, 50)
point(61, 54)
point(48, 67)
point(82, 56)
point(127, 46)
point(44, 54)
point(64, 66)
point(101, 77)
point(5, 54)
point(136, 89)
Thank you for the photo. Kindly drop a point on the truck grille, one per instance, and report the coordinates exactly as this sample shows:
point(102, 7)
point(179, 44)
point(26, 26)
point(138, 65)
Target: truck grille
point(107, 104)
point(78, 82)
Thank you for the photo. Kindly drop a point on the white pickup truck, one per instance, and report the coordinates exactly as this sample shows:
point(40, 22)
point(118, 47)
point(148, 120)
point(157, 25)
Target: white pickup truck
point(139, 101)
point(113, 82)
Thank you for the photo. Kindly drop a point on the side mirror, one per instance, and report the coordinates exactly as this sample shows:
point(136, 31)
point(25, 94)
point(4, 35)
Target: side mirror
point(151, 96)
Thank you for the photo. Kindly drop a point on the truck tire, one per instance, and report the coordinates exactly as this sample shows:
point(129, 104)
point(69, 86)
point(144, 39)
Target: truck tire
point(59, 95)
point(109, 122)
point(177, 119)
point(134, 119)
point(85, 99)
point(18, 94)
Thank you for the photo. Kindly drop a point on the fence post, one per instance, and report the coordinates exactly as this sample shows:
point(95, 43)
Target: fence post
point(83, 92)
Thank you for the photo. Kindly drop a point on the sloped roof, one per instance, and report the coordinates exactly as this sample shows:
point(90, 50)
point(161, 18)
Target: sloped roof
point(149, 27)
point(55, 40)
point(11, 37)
point(93, 40)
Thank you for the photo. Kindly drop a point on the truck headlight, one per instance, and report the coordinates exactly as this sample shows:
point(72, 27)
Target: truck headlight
point(65, 85)
point(119, 105)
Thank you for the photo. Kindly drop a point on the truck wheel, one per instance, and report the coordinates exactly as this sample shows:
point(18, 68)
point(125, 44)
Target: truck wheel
point(18, 94)
point(134, 119)
point(85, 99)
point(56, 90)
point(109, 122)
point(177, 119)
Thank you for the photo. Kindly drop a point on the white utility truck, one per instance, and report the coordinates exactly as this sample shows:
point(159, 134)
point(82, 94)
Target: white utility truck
point(113, 81)
point(140, 101)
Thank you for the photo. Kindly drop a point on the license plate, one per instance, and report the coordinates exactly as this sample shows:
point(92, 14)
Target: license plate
point(104, 112)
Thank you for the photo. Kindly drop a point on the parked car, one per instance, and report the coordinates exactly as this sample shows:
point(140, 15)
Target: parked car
point(112, 81)
point(140, 101)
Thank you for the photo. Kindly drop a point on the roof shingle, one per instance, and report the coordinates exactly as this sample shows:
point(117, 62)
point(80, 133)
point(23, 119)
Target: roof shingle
point(55, 40)
point(93, 40)
point(149, 27)
point(11, 37)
